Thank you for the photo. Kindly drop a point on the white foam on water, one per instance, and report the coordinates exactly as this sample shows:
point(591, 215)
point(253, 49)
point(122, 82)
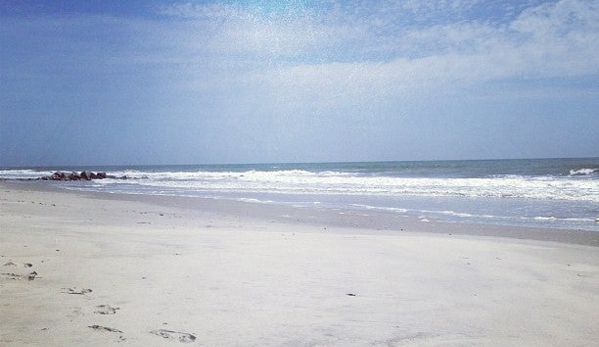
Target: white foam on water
point(583, 172)
point(23, 173)
point(331, 183)
point(347, 183)
point(546, 196)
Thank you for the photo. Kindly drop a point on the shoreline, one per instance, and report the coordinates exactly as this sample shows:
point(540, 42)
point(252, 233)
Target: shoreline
point(375, 221)
point(99, 269)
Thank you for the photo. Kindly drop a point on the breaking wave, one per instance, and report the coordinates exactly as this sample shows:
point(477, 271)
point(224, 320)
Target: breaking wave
point(583, 172)
point(560, 193)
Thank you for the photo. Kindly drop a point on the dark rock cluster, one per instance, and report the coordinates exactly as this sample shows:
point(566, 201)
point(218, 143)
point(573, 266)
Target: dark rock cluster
point(83, 176)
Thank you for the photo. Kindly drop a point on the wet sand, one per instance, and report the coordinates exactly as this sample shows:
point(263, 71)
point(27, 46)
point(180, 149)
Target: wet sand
point(84, 269)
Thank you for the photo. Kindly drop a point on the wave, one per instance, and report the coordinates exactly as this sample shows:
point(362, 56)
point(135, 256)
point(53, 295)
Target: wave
point(562, 219)
point(223, 175)
point(583, 172)
point(23, 173)
point(314, 183)
point(331, 182)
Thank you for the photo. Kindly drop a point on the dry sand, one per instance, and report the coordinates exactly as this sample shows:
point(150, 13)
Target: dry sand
point(81, 269)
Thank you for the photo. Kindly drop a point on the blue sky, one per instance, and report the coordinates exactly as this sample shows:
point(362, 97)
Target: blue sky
point(190, 82)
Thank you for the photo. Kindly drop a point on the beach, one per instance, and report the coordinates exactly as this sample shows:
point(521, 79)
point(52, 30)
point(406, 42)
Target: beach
point(99, 269)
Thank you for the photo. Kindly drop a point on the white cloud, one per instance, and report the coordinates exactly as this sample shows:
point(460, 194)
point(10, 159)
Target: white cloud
point(559, 39)
point(439, 6)
point(207, 12)
point(230, 71)
point(301, 61)
point(351, 50)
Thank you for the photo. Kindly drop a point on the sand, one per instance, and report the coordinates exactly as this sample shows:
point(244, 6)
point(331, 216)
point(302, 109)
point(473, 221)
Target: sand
point(82, 269)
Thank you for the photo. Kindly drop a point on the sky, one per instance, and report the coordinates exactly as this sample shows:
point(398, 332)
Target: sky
point(131, 82)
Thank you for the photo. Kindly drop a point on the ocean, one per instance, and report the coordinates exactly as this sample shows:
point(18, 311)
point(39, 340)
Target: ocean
point(546, 193)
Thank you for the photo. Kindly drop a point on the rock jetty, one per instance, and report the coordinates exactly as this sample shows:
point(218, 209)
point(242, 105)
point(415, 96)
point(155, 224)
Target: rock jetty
point(82, 176)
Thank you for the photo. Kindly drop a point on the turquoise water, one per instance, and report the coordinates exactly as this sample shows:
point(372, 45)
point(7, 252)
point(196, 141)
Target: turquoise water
point(549, 193)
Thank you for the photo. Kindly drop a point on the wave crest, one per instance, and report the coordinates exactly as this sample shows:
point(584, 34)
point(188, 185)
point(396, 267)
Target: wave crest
point(583, 172)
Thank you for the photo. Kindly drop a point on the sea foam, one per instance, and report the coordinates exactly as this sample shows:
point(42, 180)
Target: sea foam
point(583, 172)
point(496, 190)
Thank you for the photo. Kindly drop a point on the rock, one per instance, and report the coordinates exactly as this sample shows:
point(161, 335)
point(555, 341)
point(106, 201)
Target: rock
point(59, 176)
point(86, 175)
point(74, 176)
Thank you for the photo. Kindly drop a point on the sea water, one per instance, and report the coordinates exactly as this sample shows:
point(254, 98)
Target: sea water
point(549, 193)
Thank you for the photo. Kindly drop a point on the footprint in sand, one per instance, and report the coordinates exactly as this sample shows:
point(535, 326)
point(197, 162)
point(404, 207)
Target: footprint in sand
point(76, 291)
point(100, 328)
point(11, 275)
point(31, 276)
point(169, 334)
point(107, 329)
point(106, 309)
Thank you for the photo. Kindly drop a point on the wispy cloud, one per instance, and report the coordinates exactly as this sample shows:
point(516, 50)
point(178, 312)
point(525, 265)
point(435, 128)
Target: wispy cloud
point(352, 46)
point(350, 32)
point(238, 67)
